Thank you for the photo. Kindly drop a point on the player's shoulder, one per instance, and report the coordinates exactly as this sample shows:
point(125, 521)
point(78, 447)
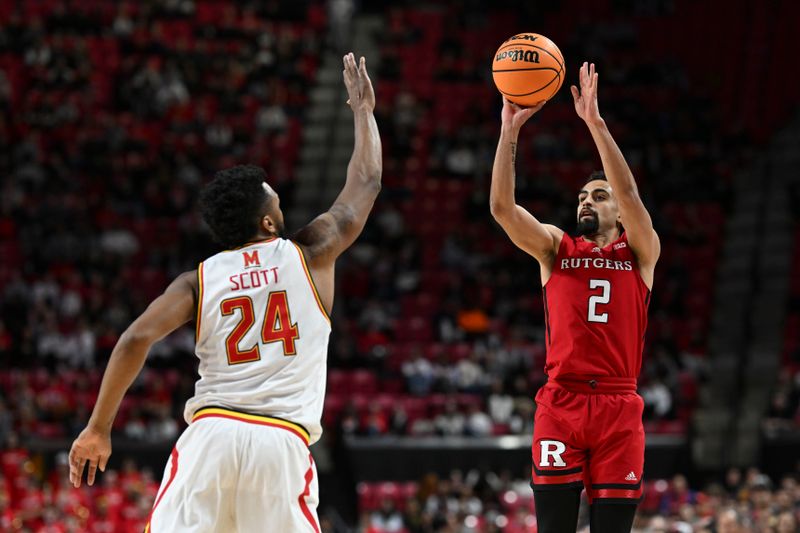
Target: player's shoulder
point(186, 281)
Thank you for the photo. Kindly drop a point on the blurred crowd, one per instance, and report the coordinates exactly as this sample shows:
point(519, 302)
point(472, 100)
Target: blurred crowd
point(36, 499)
point(115, 114)
point(473, 502)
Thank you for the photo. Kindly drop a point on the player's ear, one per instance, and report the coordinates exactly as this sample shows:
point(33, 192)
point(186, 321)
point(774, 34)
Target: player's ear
point(268, 224)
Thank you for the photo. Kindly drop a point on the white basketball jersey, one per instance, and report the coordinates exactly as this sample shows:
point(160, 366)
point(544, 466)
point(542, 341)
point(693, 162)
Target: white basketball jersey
point(262, 335)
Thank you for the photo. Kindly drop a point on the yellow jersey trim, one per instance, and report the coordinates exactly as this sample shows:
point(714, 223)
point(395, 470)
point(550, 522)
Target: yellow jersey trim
point(219, 412)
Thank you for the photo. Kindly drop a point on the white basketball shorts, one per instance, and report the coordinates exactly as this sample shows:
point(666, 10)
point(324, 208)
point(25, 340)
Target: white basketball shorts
point(232, 472)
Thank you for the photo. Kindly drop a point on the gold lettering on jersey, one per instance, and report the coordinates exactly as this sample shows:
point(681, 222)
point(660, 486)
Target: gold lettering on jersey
point(251, 259)
point(595, 262)
point(253, 279)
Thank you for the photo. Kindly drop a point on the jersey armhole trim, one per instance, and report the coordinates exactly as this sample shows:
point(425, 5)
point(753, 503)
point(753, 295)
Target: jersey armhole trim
point(561, 244)
point(311, 282)
point(199, 302)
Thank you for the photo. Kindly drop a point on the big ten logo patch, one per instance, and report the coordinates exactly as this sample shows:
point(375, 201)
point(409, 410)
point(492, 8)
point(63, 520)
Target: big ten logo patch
point(551, 451)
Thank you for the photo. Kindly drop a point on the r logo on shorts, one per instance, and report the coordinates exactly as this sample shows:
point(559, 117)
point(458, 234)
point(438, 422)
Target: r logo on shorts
point(552, 449)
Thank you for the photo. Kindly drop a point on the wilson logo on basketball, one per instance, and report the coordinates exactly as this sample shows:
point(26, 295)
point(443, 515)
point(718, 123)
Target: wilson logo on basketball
point(251, 259)
point(528, 56)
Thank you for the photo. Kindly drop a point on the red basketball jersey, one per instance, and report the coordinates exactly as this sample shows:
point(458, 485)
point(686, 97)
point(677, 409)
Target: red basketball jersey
point(595, 311)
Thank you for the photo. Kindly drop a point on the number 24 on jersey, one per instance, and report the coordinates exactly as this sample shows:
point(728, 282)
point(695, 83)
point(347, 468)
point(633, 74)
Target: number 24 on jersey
point(277, 326)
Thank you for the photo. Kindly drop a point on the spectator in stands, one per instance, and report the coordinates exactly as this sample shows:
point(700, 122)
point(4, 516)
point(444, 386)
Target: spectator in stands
point(375, 422)
point(729, 521)
point(501, 404)
point(657, 399)
point(386, 519)
point(478, 423)
point(399, 422)
point(451, 422)
point(419, 373)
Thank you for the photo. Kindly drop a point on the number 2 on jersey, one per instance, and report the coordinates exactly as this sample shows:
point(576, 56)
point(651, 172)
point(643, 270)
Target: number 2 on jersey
point(599, 299)
point(277, 327)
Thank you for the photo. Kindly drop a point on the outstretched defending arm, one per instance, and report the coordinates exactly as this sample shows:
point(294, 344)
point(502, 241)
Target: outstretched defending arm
point(638, 224)
point(167, 313)
point(331, 233)
point(539, 240)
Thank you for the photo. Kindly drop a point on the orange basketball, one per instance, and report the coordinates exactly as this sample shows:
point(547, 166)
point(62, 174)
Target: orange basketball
point(528, 68)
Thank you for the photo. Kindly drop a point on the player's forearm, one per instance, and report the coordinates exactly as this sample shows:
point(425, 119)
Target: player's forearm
point(501, 194)
point(617, 172)
point(366, 164)
point(124, 365)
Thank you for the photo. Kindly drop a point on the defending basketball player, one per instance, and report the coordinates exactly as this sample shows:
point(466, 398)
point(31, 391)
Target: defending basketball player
point(588, 427)
point(262, 310)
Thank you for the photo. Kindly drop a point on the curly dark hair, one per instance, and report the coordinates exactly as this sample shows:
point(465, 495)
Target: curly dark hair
point(233, 203)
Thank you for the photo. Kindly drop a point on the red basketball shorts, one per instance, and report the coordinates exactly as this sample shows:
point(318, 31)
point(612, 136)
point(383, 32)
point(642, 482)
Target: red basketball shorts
point(587, 437)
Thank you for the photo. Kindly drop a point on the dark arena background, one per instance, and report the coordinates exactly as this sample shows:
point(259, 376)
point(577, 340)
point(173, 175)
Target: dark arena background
point(114, 114)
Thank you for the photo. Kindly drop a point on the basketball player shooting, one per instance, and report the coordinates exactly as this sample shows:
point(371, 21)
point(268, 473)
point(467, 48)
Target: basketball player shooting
point(588, 429)
point(262, 311)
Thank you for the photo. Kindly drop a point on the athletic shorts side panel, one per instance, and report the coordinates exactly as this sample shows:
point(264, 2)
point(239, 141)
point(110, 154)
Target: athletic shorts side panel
point(617, 448)
point(558, 450)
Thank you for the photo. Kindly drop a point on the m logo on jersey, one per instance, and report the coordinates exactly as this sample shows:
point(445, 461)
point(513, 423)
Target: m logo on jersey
point(251, 259)
point(551, 453)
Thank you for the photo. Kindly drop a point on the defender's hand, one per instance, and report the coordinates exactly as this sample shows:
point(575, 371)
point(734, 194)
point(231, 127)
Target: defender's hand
point(360, 93)
point(515, 116)
point(586, 98)
point(93, 447)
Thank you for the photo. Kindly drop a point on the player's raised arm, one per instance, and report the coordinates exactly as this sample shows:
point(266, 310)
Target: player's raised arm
point(328, 235)
point(539, 240)
point(167, 313)
point(635, 218)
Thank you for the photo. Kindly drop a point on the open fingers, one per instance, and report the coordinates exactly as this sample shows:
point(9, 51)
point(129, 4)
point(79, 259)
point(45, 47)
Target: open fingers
point(363, 77)
point(349, 66)
point(350, 75)
point(592, 78)
point(575, 93)
point(349, 62)
point(76, 471)
point(92, 472)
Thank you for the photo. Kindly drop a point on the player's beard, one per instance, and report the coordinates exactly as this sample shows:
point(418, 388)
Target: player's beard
point(588, 226)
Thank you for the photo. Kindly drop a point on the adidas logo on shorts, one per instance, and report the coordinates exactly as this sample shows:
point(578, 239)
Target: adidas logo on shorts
point(630, 477)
